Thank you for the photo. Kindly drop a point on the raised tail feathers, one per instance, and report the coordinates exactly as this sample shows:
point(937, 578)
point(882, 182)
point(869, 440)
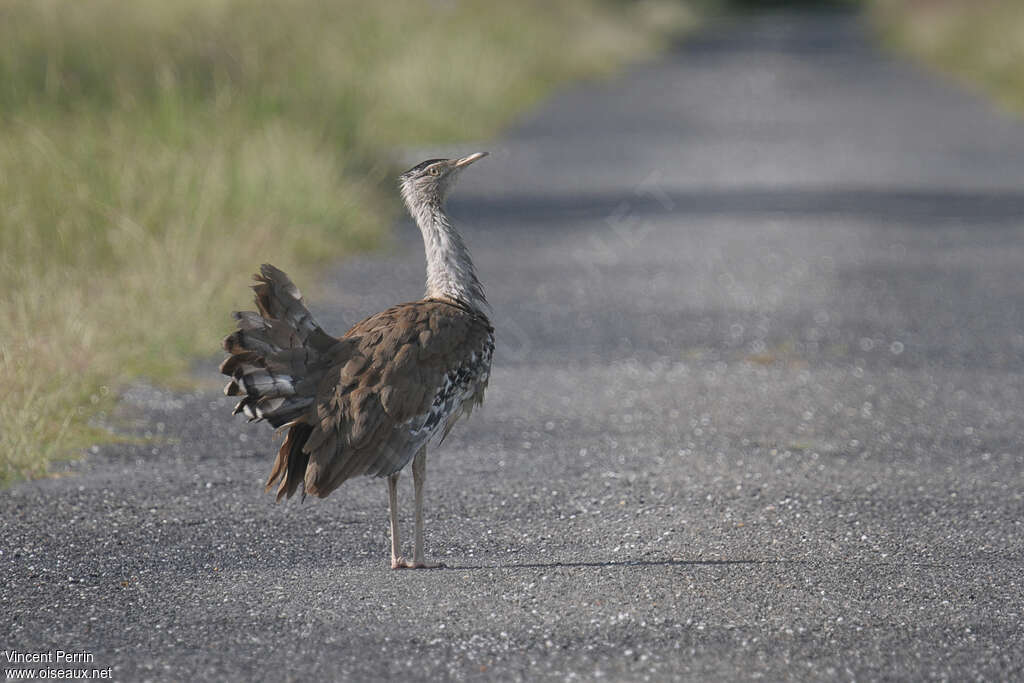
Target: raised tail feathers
point(278, 356)
point(275, 355)
point(277, 298)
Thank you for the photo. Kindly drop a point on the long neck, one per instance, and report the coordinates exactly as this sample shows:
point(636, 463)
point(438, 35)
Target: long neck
point(450, 271)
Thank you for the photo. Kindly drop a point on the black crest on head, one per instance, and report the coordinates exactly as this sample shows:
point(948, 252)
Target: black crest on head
point(420, 166)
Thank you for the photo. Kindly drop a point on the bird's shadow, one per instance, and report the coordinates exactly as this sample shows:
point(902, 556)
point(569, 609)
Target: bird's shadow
point(616, 563)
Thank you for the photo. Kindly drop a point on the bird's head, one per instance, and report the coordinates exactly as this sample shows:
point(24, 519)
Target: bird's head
point(428, 182)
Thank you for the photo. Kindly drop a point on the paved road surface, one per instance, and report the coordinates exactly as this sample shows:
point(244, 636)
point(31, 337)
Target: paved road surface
point(757, 411)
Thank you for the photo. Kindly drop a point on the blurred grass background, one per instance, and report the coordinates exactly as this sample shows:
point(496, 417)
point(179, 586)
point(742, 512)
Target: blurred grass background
point(153, 153)
point(981, 42)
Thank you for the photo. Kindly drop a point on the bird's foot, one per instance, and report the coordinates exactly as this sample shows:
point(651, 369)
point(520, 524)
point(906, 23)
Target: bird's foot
point(402, 563)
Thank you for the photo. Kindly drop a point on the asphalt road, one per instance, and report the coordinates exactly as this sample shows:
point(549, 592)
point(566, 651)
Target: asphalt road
point(757, 411)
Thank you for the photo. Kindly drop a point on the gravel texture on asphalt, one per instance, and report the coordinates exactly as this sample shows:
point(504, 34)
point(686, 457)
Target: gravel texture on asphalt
point(757, 411)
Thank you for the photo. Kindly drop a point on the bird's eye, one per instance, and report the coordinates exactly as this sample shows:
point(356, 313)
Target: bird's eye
point(434, 170)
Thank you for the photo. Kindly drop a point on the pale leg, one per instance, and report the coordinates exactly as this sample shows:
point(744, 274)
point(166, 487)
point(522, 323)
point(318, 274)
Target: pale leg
point(397, 561)
point(419, 477)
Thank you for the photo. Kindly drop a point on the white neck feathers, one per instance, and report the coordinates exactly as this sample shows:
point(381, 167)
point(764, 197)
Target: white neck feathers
point(450, 271)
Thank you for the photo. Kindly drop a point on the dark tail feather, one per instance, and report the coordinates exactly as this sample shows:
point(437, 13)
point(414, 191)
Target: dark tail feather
point(276, 354)
point(290, 465)
point(277, 298)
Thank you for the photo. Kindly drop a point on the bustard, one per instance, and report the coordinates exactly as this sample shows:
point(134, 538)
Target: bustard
point(373, 400)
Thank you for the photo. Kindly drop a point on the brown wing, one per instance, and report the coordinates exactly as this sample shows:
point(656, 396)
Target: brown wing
point(410, 370)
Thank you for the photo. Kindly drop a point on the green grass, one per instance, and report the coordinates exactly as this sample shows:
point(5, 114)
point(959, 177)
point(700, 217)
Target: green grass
point(981, 42)
point(153, 153)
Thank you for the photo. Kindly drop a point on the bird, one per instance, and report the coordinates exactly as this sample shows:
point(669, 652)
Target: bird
point(375, 399)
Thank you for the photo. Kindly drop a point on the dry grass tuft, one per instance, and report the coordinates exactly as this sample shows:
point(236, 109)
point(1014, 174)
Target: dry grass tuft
point(979, 41)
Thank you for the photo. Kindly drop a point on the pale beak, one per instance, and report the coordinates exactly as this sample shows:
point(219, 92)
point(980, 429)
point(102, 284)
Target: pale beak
point(466, 161)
